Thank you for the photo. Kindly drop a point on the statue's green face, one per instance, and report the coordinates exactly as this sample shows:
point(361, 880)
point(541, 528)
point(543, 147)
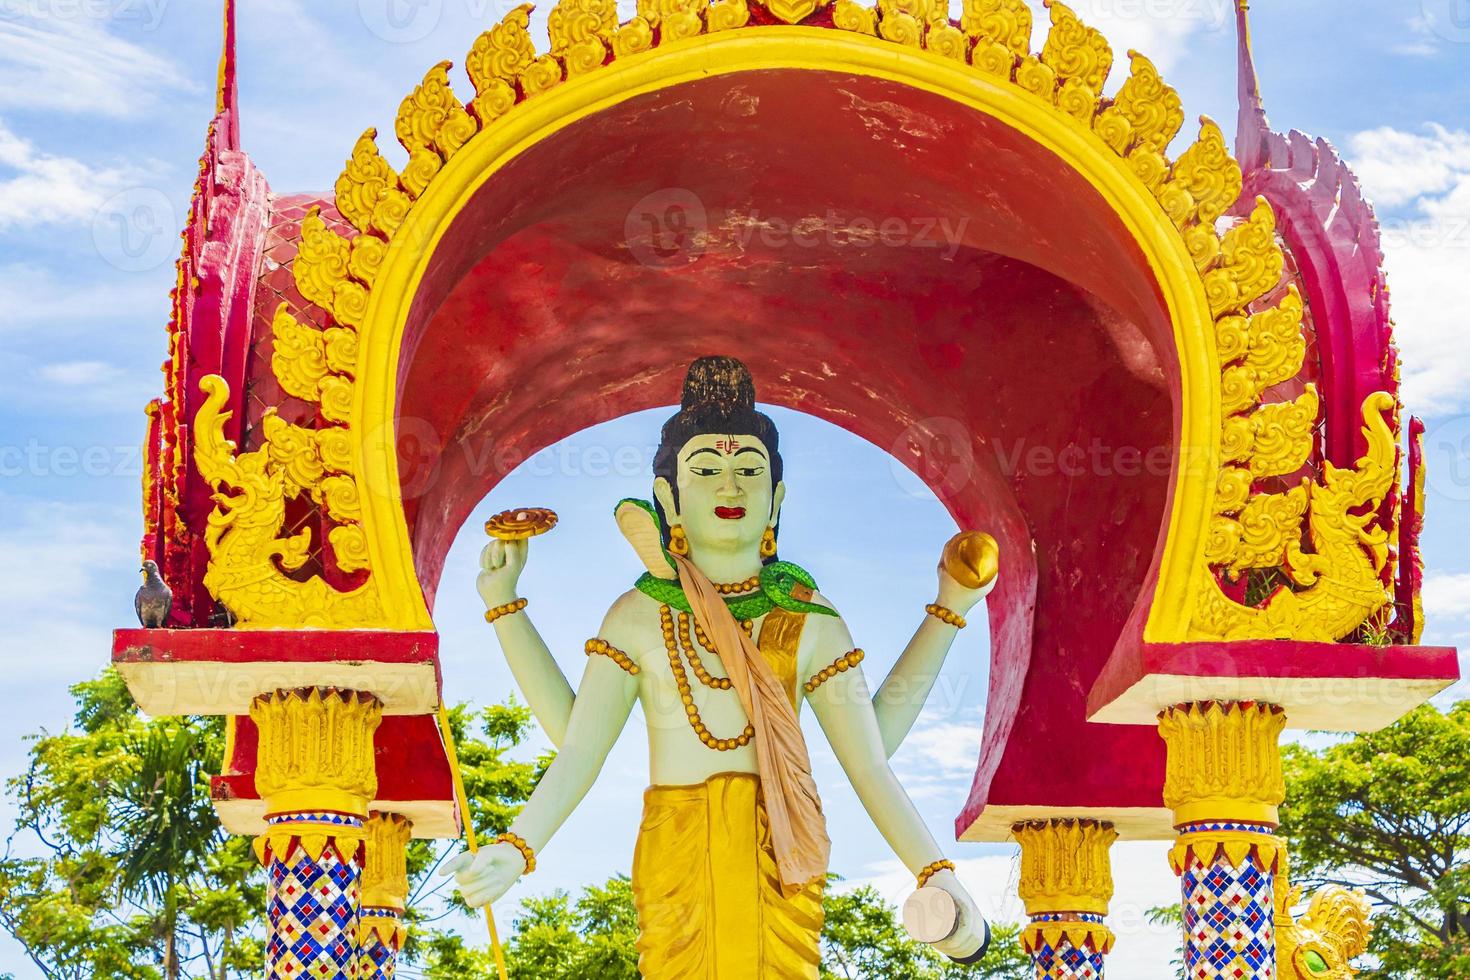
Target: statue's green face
point(726, 499)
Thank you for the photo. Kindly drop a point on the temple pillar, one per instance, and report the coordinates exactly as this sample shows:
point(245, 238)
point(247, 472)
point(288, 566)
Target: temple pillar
point(1224, 785)
point(384, 895)
point(316, 773)
point(1066, 885)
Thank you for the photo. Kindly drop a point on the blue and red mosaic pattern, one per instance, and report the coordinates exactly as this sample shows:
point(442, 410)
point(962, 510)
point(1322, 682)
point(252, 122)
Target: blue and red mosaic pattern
point(313, 909)
point(1229, 926)
point(379, 960)
point(1066, 961)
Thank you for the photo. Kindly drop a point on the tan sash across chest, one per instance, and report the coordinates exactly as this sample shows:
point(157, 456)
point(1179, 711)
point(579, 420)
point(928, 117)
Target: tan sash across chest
point(793, 805)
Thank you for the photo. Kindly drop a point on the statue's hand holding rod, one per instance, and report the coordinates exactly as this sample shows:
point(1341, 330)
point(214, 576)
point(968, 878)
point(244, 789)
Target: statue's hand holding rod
point(486, 875)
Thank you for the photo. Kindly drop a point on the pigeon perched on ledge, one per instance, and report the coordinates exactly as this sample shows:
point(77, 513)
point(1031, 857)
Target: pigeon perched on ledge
point(155, 600)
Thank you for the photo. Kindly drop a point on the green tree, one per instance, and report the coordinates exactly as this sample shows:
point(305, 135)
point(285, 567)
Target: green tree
point(497, 786)
point(1389, 812)
point(118, 867)
point(595, 938)
point(862, 939)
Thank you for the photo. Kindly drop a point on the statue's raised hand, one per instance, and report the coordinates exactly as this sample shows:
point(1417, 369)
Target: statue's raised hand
point(485, 876)
point(501, 564)
point(967, 570)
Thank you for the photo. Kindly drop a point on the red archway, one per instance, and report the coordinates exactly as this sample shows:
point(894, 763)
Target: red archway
point(1014, 353)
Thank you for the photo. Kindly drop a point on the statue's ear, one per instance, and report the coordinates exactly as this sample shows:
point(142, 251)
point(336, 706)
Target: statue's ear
point(778, 497)
point(664, 493)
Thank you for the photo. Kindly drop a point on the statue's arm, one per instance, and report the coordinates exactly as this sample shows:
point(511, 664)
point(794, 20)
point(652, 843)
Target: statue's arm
point(903, 693)
point(601, 709)
point(537, 674)
point(845, 711)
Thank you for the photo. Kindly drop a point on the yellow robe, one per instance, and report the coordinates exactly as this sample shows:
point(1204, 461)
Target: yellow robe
point(710, 901)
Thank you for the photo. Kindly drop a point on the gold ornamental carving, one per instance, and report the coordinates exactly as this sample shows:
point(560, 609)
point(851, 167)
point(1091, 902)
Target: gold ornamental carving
point(1224, 762)
point(316, 750)
point(1323, 942)
point(1065, 865)
point(385, 865)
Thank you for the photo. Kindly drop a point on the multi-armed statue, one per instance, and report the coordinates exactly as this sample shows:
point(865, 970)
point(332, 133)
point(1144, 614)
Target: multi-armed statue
point(1161, 375)
point(721, 643)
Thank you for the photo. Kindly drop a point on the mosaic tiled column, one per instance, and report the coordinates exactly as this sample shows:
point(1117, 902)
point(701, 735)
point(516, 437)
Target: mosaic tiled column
point(1224, 785)
point(1066, 884)
point(316, 773)
point(384, 895)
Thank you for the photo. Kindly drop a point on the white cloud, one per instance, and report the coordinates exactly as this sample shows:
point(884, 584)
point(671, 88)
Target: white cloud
point(1421, 180)
point(1397, 168)
point(1156, 28)
point(1447, 596)
point(35, 296)
point(37, 188)
point(75, 64)
point(76, 373)
point(68, 577)
point(1422, 42)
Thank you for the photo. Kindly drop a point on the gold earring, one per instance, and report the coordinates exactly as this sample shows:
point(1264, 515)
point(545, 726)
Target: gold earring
point(678, 543)
point(768, 543)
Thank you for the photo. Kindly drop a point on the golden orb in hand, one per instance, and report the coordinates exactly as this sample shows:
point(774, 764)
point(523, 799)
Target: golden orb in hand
point(971, 558)
point(520, 524)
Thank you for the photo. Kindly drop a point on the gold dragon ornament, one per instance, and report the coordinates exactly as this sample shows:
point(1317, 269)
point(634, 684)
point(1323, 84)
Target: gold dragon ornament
point(1322, 944)
point(250, 560)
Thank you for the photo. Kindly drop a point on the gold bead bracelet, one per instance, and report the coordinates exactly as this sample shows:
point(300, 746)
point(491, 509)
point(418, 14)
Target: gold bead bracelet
point(934, 869)
point(606, 649)
point(510, 607)
point(945, 615)
point(845, 662)
point(519, 843)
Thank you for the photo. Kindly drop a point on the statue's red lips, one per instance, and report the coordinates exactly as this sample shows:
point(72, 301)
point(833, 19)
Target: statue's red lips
point(730, 513)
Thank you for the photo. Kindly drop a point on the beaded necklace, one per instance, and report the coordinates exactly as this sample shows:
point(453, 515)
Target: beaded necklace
point(686, 692)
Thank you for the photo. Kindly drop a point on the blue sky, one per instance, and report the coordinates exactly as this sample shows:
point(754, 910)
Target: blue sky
point(103, 105)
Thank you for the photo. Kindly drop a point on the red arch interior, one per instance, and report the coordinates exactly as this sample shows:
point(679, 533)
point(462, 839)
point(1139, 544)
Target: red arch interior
point(881, 257)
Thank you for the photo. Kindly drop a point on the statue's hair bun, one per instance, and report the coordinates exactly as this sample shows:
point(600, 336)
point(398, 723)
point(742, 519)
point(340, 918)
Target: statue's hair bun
point(718, 383)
